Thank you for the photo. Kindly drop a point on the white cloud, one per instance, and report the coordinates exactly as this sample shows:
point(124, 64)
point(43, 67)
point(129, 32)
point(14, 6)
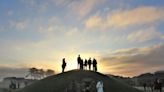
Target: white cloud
point(72, 32)
point(144, 35)
point(19, 25)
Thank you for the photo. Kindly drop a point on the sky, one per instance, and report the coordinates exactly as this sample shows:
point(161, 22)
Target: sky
point(125, 36)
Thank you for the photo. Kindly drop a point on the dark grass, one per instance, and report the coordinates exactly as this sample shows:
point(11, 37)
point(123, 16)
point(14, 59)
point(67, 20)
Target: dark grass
point(58, 83)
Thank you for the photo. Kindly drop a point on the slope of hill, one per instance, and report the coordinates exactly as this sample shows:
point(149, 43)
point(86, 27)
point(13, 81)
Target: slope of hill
point(78, 81)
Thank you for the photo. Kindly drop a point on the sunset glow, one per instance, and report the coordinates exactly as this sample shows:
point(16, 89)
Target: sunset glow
point(125, 36)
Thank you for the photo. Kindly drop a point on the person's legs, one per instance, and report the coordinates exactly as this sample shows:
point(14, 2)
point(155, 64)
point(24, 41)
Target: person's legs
point(160, 89)
point(89, 67)
point(62, 69)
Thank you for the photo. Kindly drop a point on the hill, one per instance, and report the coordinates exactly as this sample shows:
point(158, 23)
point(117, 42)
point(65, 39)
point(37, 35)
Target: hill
point(76, 81)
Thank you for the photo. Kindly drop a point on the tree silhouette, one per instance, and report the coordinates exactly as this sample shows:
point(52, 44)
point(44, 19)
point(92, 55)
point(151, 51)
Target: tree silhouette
point(40, 74)
point(50, 72)
point(33, 72)
point(37, 74)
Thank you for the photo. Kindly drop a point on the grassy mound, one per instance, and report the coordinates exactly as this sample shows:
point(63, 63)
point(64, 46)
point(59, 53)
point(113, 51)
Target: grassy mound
point(78, 81)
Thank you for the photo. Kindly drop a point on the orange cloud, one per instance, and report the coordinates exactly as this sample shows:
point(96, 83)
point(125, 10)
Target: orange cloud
point(94, 22)
point(140, 15)
point(130, 63)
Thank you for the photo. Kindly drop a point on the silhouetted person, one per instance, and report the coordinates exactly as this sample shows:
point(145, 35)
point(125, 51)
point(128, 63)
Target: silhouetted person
point(89, 63)
point(81, 64)
point(151, 86)
point(63, 65)
point(85, 64)
point(78, 61)
point(159, 86)
point(156, 84)
point(18, 85)
point(144, 85)
point(94, 65)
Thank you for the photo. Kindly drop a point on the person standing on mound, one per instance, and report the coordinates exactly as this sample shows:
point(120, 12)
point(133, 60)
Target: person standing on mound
point(89, 63)
point(81, 64)
point(94, 65)
point(78, 61)
point(63, 65)
point(85, 64)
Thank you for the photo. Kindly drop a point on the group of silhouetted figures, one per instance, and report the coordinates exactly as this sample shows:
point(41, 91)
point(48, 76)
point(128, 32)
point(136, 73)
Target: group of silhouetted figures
point(154, 86)
point(82, 64)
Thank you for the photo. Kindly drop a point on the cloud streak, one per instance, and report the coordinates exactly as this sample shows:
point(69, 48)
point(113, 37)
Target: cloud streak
point(144, 35)
point(83, 7)
point(125, 18)
point(140, 15)
point(132, 61)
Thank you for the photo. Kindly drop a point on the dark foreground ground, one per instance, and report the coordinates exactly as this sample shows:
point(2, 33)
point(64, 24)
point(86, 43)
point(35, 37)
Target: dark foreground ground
point(78, 81)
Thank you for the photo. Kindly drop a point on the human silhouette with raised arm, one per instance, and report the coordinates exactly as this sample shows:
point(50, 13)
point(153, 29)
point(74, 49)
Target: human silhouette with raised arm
point(63, 65)
point(89, 63)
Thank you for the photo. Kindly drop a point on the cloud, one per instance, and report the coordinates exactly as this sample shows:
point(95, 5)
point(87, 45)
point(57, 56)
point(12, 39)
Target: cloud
point(29, 2)
point(130, 62)
point(37, 6)
point(131, 51)
point(49, 26)
point(144, 35)
point(19, 25)
point(10, 13)
point(94, 22)
point(60, 2)
point(140, 15)
point(2, 29)
point(162, 37)
point(79, 8)
point(83, 7)
point(72, 32)
point(125, 18)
